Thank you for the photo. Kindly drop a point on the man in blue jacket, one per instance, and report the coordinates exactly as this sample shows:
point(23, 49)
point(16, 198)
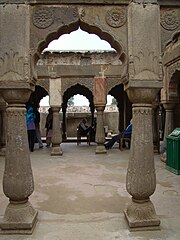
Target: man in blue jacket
point(126, 134)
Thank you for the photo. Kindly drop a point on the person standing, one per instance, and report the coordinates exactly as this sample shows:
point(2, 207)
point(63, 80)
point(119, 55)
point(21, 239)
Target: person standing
point(48, 126)
point(30, 123)
point(37, 126)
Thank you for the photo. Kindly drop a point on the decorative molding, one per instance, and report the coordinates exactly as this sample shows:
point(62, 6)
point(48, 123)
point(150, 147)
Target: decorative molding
point(12, 66)
point(116, 17)
point(43, 18)
point(170, 20)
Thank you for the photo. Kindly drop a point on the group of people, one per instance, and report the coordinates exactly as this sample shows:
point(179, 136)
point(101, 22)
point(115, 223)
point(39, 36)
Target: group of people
point(33, 129)
point(33, 126)
point(85, 130)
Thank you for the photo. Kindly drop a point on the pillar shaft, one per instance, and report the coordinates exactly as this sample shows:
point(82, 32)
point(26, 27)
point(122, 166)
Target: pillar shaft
point(64, 136)
point(141, 179)
point(100, 134)
point(155, 126)
point(18, 185)
point(169, 120)
point(56, 138)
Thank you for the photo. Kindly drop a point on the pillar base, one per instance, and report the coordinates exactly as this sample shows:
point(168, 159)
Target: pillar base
point(100, 149)
point(56, 151)
point(19, 218)
point(142, 216)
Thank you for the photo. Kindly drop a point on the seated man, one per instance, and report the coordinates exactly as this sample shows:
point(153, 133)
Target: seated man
point(125, 134)
point(83, 128)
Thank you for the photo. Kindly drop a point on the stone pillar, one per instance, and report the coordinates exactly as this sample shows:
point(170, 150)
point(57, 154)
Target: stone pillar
point(20, 216)
point(100, 134)
point(141, 178)
point(56, 138)
point(169, 125)
point(64, 136)
point(3, 106)
point(55, 103)
point(100, 103)
point(155, 125)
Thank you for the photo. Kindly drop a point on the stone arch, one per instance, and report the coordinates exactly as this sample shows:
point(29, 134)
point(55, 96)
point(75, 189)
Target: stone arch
point(124, 105)
point(174, 85)
point(37, 95)
point(71, 19)
point(174, 38)
point(78, 89)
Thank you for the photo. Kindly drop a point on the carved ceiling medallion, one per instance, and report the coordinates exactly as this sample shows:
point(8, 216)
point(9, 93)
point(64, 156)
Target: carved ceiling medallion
point(43, 18)
point(169, 20)
point(116, 17)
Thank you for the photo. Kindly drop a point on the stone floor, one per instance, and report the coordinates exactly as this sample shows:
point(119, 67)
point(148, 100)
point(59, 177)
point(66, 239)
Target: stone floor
point(81, 196)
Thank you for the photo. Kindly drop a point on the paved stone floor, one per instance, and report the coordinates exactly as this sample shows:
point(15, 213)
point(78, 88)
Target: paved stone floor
point(81, 196)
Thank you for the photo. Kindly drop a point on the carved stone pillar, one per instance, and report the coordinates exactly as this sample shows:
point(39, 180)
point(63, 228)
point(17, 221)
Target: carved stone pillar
point(3, 127)
point(56, 138)
point(169, 125)
point(64, 136)
point(155, 125)
point(100, 134)
point(18, 185)
point(141, 178)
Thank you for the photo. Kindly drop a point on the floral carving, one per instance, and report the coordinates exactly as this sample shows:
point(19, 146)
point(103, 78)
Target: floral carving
point(43, 18)
point(169, 20)
point(116, 17)
point(11, 66)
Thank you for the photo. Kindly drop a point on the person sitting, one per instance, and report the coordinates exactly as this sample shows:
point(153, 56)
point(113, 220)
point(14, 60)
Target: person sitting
point(83, 128)
point(125, 134)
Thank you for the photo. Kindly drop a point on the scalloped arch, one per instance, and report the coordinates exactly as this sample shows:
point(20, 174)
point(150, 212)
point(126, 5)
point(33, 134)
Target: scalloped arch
point(66, 29)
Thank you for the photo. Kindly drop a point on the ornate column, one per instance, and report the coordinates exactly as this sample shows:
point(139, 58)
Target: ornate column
point(155, 125)
point(144, 82)
point(20, 216)
point(64, 136)
point(3, 106)
point(100, 103)
point(100, 134)
point(141, 178)
point(55, 103)
point(56, 138)
point(169, 125)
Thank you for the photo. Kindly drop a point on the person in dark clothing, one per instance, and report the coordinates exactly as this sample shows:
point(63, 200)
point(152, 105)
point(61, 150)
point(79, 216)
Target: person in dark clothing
point(30, 123)
point(48, 126)
point(83, 128)
point(37, 126)
point(126, 134)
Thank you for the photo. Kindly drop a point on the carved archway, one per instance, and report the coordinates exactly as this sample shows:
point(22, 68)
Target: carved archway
point(65, 19)
point(173, 86)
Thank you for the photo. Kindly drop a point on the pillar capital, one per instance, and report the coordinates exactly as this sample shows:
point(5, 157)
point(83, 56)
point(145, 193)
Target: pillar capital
point(142, 95)
point(16, 96)
point(169, 106)
point(100, 107)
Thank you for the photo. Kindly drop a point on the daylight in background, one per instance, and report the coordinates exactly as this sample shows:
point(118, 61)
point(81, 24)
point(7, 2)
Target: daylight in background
point(78, 41)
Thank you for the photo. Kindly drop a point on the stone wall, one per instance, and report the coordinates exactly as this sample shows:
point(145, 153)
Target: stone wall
point(73, 119)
